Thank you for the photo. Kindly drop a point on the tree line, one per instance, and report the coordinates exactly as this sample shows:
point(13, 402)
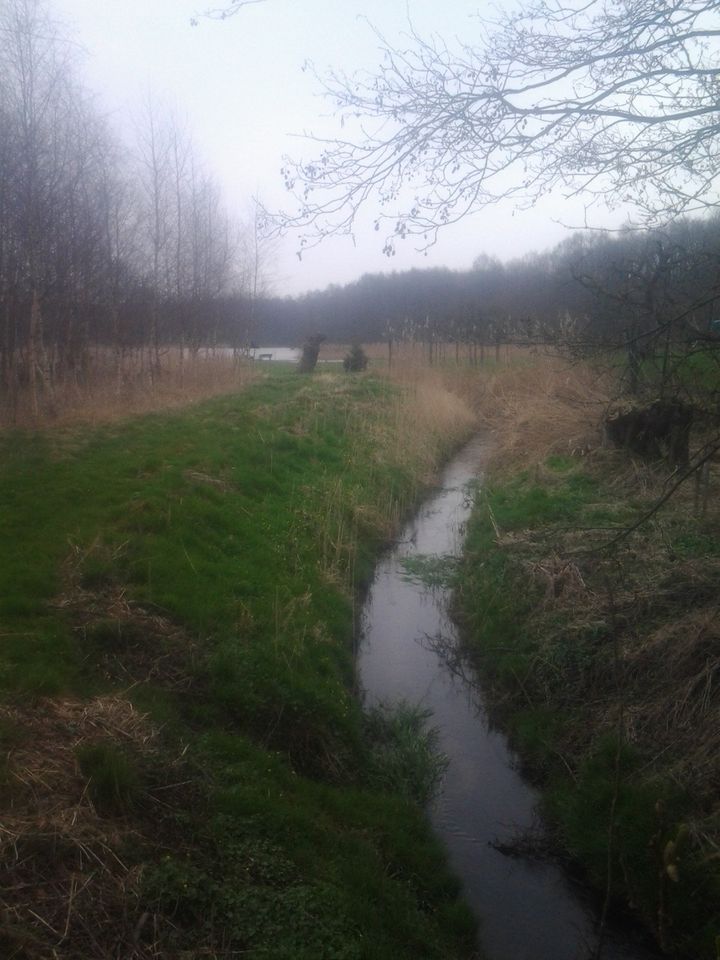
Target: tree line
point(648, 298)
point(108, 251)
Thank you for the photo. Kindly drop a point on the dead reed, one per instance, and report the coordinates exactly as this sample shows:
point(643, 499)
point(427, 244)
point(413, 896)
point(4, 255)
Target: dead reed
point(540, 406)
point(532, 404)
point(114, 388)
point(68, 876)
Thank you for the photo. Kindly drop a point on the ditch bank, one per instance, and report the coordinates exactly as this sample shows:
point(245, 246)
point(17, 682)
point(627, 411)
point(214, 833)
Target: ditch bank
point(184, 768)
point(527, 907)
point(597, 647)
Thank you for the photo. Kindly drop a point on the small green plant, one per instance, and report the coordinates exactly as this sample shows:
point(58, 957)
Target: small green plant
point(113, 778)
point(430, 569)
point(403, 752)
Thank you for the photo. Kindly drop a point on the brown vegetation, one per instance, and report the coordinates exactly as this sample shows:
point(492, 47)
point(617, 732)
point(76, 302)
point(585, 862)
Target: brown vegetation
point(626, 630)
point(72, 840)
point(70, 874)
point(116, 389)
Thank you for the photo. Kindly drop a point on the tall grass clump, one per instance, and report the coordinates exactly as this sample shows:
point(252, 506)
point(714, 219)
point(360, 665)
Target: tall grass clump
point(404, 758)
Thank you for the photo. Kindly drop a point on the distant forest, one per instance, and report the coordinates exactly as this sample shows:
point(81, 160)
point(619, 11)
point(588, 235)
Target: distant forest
point(631, 286)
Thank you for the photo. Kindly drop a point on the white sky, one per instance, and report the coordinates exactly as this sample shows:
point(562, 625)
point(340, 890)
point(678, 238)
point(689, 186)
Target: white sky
point(241, 84)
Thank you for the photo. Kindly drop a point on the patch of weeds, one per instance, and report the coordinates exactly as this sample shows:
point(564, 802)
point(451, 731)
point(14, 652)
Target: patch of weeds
point(403, 754)
point(521, 506)
point(432, 570)
point(604, 516)
point(652, 856)
point(696, 544)
point(98, 570)
point(534, 732)
point(492, 598)
point(582, 486)
point(113, 633)
point(163, 706)
point(295, 702)
point(593, 799)
point(254, 897)
point(113, 777)
point(560, 463)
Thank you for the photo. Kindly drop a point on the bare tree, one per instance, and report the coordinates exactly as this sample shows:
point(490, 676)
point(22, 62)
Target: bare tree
point(614, 99)
point(155, 144)
point(50, 148)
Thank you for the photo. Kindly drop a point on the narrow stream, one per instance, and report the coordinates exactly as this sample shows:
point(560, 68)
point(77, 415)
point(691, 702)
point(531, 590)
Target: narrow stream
point(528, 910)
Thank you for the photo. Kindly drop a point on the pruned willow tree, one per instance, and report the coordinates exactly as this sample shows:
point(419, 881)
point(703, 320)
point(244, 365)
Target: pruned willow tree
point(614, 102)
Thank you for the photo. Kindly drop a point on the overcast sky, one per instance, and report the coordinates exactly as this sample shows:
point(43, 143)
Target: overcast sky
point(248, 101)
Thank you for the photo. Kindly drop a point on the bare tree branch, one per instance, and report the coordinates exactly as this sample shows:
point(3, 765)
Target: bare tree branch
point(223, 13)
point(612, 99)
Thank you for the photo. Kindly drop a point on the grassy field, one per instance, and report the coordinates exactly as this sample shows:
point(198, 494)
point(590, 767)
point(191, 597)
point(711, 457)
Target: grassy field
point(184, 765)
point(599, 652)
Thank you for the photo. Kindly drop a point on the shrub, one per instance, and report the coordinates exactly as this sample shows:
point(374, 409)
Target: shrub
point(355, 360)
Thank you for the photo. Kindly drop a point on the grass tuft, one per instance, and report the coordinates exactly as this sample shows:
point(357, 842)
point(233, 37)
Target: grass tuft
point(403, 753)
point(113, 777)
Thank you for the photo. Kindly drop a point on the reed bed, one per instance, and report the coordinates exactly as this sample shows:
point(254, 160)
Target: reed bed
point(530, 403)
point(115, 388)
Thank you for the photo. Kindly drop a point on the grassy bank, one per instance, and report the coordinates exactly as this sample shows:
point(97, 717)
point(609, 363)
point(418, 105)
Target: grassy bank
point(600, 653)
point(184, 766)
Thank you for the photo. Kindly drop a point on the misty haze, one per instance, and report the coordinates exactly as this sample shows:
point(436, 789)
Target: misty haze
point(359, 472)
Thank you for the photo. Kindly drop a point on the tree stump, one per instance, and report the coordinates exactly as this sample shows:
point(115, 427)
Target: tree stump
point(660, 431)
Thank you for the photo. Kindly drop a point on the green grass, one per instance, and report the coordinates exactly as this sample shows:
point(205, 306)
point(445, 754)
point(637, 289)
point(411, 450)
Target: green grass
point(113, 778)
point(245, 527)
point(403, 757)
point(431, 570)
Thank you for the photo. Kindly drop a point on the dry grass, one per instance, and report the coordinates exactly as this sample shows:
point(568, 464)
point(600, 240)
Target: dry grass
point(675, 711)
point(542, 407)
point(131, 644)
point(70, 879)
point(531, 404)
point(67, 884)
point(106, 395)
point(429, 417)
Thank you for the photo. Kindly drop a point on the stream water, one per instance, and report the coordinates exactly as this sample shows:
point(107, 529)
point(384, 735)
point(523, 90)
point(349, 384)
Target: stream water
point(528, 909)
